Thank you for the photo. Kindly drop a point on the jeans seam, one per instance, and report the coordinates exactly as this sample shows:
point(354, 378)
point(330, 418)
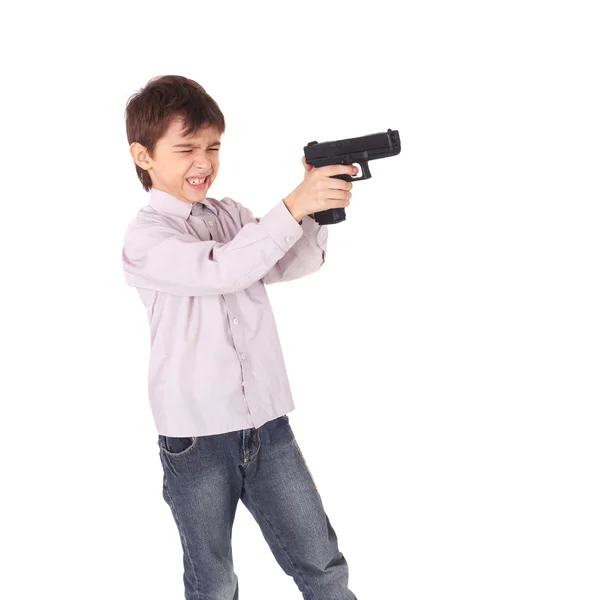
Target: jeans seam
point(276, 537)
point(185, 544)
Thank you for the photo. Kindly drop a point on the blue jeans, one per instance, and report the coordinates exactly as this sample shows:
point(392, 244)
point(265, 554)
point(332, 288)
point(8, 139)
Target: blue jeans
point(203, 479)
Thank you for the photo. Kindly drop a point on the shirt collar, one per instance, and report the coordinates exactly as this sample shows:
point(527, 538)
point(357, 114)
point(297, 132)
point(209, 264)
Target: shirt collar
point(166, 203)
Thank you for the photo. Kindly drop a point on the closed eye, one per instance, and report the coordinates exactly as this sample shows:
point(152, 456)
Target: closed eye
point(211, 149)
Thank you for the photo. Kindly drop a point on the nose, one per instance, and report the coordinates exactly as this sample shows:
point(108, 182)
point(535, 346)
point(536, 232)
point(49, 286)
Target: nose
point(202, 159)
point(203, 164)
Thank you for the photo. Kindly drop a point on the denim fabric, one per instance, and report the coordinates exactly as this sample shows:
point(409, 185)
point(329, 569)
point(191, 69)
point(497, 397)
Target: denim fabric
point(203, 479)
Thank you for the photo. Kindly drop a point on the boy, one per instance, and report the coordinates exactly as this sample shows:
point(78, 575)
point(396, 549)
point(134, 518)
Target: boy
point(217, 381)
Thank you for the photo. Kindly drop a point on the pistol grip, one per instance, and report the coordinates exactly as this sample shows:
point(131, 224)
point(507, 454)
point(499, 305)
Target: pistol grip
point(330, 216)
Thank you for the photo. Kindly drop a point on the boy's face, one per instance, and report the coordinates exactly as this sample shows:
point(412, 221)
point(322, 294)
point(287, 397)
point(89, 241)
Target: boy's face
point(178, 159)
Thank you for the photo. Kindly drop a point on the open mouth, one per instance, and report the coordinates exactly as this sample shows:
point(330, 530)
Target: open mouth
point(196, 183)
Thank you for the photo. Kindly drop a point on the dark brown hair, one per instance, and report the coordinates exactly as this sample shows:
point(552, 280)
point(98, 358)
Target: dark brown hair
point(150, 111)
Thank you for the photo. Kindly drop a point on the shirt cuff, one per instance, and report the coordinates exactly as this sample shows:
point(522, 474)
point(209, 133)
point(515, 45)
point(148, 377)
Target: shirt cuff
point(282, 227)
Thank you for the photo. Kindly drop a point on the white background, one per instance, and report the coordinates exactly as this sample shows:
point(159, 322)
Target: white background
point(444, 361)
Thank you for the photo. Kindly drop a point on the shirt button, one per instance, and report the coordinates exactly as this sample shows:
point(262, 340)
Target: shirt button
point(289, 238)
point(236, 320)
point(243, 356)
point(210, 223)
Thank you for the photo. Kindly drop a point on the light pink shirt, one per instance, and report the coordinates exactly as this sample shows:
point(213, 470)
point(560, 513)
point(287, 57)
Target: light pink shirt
point(216, 363)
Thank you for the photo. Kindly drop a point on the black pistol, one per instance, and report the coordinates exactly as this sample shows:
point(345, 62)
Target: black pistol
point(346, 152)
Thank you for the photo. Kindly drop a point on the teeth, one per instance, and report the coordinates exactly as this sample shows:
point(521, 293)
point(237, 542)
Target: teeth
point(197, 181)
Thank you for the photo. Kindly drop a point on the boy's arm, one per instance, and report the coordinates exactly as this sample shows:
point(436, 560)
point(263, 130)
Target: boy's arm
point(159, 257)
point(306, 257)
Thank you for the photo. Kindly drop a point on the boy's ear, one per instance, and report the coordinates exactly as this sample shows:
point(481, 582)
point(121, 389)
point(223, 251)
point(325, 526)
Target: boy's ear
point(139, 154)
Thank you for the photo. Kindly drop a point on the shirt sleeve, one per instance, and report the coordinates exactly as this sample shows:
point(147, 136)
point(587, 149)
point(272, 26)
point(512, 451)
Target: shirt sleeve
point(306, 257)
point(156, 256)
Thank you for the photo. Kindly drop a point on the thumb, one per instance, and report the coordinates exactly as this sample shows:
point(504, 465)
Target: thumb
point(306, 165)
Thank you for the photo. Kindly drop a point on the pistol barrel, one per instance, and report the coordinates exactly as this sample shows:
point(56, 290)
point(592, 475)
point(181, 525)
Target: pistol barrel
point(349, 150)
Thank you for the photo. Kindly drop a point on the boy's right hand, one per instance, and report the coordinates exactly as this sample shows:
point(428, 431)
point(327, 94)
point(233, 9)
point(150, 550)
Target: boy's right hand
point(320, 191)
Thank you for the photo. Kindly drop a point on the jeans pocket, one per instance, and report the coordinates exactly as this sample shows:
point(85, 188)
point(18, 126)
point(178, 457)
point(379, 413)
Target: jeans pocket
point(177, 446)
